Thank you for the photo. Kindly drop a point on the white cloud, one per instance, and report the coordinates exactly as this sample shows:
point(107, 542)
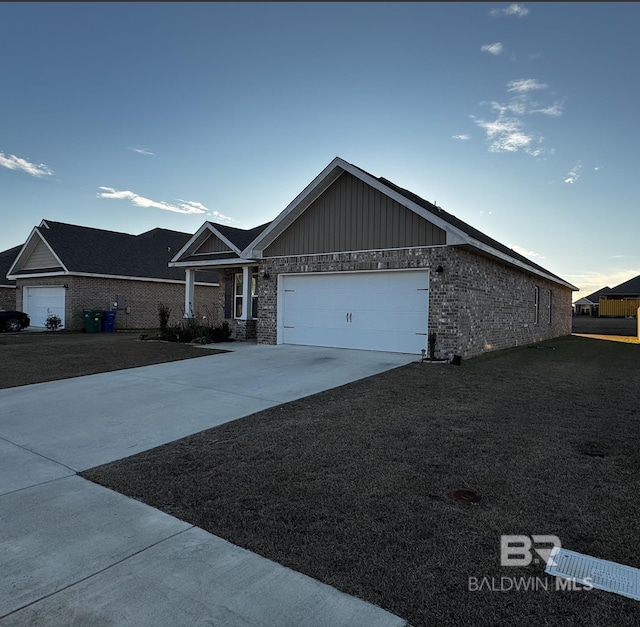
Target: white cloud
point(526, 253)
point(495, 49)
point(506, 134)
point(183, 206)
point(574, 174)
point(12, 162)
point(525, 85)
point(555, 110)
point(517, 10)
point(142, 151)
point(197, 207)
point(221, 216)
point(463, 137)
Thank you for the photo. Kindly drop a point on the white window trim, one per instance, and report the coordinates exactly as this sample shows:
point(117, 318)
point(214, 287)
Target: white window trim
point(248, 294)
point(549, 305)
point(536, 305)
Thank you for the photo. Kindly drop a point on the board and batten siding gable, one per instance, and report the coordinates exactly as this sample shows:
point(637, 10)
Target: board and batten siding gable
point(212, 244)
point(206, 243)
point(351, 215)
point(40, 257)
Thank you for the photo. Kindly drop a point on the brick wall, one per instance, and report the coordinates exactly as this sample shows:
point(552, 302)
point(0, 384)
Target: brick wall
point(141, 299)
point(475, 305)
point(7, 298)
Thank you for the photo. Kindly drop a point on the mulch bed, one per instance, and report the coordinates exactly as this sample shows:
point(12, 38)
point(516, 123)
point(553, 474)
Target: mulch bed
point(34, 357)
point(354, 486)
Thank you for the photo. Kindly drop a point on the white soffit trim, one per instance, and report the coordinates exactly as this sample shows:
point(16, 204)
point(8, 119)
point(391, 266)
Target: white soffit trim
point(28, 247)
point(209, 264)
point(41, 275)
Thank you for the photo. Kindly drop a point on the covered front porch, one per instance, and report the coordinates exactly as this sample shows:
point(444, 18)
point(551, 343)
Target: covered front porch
point(240, 284)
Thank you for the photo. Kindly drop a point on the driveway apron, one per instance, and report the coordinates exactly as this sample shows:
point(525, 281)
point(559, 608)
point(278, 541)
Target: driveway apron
point(72, 552)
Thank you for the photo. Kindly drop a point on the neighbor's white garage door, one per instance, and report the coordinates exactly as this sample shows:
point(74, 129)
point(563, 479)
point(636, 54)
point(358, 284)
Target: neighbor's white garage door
point(39, 302)
point(385, 311)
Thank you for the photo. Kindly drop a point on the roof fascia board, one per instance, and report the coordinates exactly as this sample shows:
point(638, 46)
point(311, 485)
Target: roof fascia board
point(319, 184)
point(190, 241)
point(93, 275)
point(455, 236)
point(26, 248)
point(297, 206)
point(207, 226)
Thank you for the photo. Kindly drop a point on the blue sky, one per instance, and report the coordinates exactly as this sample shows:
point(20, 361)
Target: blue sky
point(520, 119)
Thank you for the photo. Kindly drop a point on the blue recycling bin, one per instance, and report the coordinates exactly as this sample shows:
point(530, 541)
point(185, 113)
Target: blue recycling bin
point(108, 321)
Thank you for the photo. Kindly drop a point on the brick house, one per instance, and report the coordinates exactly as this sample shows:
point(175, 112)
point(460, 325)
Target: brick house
point(620, 301)
point(354, 261)
point(588, 305)
point(65, 269)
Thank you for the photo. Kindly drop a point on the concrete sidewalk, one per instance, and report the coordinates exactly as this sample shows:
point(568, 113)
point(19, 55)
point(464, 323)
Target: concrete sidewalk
point(75, 553)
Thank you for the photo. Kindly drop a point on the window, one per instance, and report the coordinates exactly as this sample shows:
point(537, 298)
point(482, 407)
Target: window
point(549, 306)
point(254, 295)
point(536, 304)
point(237, 295)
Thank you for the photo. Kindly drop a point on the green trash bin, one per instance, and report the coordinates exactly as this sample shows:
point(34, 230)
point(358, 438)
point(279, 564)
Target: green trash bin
point(92, 320)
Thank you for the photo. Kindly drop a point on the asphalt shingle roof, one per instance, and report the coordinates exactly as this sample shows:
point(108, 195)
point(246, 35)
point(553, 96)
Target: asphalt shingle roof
point(97, 251)
point(7, 258)
point(240, 238)
point(595, 297)
point(464, 227)
point(629, 288)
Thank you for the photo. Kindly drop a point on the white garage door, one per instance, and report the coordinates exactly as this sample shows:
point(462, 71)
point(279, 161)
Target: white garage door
point(385, 311)
point(39, 302)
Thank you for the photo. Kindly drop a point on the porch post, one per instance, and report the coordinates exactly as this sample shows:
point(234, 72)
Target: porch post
point(246, 292)
point(189, 292)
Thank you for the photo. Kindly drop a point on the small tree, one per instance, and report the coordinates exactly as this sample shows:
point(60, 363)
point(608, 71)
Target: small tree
point(53, 322)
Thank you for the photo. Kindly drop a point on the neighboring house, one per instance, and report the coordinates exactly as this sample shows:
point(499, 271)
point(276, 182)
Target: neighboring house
point(64, 269)
point(621, 300)
point(7, 287)
point(588, 305)
point(355, 261)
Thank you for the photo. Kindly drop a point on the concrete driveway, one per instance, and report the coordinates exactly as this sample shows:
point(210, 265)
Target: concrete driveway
point(72, 552)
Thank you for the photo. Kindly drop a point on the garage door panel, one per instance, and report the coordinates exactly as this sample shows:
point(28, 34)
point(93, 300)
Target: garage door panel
point(370, 310)
point(40, 302)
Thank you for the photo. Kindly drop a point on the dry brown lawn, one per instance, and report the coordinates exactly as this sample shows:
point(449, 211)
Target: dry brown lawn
point(353, 486)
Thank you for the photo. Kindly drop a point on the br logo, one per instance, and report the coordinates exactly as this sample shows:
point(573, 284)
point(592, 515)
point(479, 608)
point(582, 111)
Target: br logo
point(522, 550)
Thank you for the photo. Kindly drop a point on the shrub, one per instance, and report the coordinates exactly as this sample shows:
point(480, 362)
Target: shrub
point(190, 330)
point(164, 313)
point(53, 322)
